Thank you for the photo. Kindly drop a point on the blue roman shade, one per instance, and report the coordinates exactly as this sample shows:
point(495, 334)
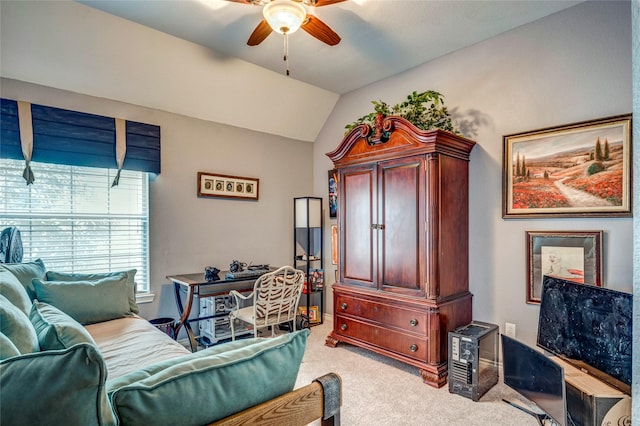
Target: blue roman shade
point(74, 138)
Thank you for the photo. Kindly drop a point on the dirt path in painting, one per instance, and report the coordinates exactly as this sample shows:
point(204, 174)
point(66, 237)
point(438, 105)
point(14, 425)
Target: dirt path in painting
point(577, 198)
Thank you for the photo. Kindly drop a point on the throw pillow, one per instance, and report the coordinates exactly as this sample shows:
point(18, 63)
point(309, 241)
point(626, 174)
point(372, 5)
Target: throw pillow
point(16, 326)
point(131, 284)
point(55, 329)
point(13, 290)
point(26, 272)
point(64, 387)
point(87, 302)
point(7, 348)
point(232, 380)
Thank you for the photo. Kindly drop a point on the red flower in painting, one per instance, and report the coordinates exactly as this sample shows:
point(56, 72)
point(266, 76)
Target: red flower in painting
point(537, 194)
point(607, 185)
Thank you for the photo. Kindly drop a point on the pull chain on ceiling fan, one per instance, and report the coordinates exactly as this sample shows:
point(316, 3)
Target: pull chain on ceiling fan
point(286, 17)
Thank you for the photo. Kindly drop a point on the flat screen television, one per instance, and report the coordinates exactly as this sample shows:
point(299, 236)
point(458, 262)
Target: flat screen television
point(590, 327)
point(536, 377)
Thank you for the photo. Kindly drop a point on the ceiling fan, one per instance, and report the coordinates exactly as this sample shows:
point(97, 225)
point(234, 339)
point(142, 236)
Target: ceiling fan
point(286, 16)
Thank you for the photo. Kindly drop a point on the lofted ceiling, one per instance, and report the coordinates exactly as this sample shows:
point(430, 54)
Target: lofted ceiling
point(380, 38)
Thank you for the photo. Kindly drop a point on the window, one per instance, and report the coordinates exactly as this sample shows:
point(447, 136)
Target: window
point(74, 221)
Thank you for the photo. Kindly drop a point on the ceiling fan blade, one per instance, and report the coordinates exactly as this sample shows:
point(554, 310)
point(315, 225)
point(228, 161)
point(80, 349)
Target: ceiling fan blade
point(258, 35)
point(320, 30)
point(318, 3)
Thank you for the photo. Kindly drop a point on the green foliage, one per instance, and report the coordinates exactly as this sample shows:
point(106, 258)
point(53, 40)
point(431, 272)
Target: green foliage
point(598, 150)
point(424, 110)
point(595, 168)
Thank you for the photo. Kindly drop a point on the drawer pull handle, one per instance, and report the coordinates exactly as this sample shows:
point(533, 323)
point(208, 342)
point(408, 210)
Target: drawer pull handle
point(413, 348)
point(413, 322)
point(343, 306)
point(343, 327)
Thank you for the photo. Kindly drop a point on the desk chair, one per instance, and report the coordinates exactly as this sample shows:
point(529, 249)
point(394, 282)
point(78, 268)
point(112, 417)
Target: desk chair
point(275, 300)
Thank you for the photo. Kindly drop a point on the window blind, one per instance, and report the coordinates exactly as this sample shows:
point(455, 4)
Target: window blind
point(75, 138)
point(75, 222)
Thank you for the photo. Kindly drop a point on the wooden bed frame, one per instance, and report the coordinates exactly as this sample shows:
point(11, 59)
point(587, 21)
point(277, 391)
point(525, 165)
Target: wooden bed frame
point(319, 400)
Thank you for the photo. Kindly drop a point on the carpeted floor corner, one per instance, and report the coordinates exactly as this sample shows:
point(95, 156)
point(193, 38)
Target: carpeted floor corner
point(380, 391)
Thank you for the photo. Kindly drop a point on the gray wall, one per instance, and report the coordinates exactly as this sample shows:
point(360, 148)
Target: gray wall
point(571, 66)
point(188, 233)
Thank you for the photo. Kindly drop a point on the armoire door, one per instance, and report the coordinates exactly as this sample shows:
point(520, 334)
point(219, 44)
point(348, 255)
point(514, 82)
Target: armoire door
point(356, 214)
point(401, 236)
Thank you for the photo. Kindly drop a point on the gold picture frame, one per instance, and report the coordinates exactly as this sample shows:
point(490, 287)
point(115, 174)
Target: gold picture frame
point(334, 244)
point(313, 315)
point(576, 170)
point(227, 186)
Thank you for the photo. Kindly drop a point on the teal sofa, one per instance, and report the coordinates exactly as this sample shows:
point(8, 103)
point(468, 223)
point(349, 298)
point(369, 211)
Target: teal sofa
point(73, 351)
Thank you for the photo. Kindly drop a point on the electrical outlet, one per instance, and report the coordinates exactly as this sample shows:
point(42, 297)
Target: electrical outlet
point(510, 330)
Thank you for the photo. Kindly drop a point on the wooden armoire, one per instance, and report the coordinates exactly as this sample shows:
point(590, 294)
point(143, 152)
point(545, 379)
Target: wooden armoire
point(403, 216)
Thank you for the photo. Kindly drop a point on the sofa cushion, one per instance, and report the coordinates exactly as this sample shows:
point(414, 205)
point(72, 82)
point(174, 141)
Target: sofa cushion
point(150, 370)
point(87, 301)
point(14, 291)
point(229, 380)
point(16, 326)
point(59, 387)
point(130, 343)
point(7, 348)
point(26, 272)
point(131, 284)
point(55, 329)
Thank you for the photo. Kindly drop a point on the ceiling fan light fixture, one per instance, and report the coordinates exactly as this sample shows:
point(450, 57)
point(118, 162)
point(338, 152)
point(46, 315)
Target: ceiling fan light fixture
point(284, 16)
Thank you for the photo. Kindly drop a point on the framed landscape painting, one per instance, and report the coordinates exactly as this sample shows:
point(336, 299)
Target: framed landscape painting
point(576, 170)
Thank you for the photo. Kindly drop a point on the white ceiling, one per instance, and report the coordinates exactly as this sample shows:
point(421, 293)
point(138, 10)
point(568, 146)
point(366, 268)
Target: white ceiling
point(380, 38)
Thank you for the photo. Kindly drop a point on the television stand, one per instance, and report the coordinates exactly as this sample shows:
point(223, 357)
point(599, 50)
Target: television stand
point(540, 417)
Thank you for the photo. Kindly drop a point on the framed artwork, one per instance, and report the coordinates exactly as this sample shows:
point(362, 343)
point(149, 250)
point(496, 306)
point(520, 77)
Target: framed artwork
point(334, 244)
point(313, 315)
point(316, 279)
point(571, 255)
point(333, 193)
point(576, 170)
point(225, 186)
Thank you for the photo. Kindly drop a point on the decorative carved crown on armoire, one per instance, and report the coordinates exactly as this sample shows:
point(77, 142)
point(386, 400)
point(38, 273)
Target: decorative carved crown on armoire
point(403, 224)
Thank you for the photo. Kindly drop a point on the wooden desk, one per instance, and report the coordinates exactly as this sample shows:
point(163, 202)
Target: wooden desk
point(196, 286)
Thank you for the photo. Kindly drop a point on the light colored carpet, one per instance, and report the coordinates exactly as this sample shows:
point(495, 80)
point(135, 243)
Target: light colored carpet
point(380, 391)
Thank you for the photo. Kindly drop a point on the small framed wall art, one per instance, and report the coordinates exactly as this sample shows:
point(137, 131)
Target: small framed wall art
point(225, 186)
point(333, 193)
point(576, 170)
point(334, 244)
point(571, 255)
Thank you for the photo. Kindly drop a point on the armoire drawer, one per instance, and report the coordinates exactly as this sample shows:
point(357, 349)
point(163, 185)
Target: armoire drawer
point(383, 313)
point(392, 340)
